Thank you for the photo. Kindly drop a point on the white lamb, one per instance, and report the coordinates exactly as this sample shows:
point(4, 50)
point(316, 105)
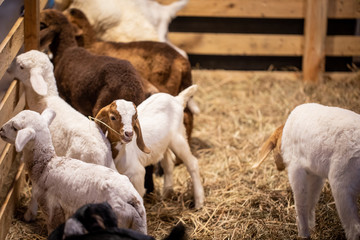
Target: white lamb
point(73, 134)
point(317, 143)
point(128, 20)
point(161, 120)
point(65, 184)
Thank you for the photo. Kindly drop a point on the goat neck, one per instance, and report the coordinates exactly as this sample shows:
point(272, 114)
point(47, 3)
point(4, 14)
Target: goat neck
point(37, 154)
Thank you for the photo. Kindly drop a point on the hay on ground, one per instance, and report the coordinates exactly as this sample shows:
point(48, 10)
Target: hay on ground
point(237, 115)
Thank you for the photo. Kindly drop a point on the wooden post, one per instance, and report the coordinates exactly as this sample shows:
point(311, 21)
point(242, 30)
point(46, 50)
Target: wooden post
point(313, 63)
point(31, 25)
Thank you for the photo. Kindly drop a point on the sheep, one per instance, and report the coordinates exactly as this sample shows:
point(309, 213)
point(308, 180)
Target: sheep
point(319, 142)
point(128, 20)
point(64, 184)
point(157, 62)
point(160, 117)
point(98, 221)
point(73, 134)
point(87, 81)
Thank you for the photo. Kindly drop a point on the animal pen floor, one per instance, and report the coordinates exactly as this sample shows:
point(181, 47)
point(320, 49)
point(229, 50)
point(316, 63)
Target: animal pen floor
point(237, 115)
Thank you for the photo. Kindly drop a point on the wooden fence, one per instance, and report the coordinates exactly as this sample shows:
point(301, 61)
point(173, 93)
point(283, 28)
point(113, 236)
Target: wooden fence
point(312, 46)
point(25, 32)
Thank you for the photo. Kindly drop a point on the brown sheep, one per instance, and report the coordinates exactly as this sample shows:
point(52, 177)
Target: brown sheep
point(85, 80)
point(157, 62)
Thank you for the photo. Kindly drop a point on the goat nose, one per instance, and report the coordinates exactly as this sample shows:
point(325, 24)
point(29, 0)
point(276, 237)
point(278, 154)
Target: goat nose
point(129, 134)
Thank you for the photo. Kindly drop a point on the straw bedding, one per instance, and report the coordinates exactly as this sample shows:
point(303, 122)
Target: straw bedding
point(237, 115)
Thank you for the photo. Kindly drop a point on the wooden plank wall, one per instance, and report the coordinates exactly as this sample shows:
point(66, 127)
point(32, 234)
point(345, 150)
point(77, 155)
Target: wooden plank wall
point(25, 32)
point(315, 13)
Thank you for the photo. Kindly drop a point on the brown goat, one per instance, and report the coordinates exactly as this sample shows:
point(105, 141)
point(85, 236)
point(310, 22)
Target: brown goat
point(157, 62)
point(85, 80)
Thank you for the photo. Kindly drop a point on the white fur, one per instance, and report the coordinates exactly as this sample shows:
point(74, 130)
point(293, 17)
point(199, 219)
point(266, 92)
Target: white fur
point(128, 20)
point(318, 143)
point(73, 134)
point(63, 184)
point(161, 121)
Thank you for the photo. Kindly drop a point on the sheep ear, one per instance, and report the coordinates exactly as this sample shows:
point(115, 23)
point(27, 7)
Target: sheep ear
point(23, 137)
point(37, 82)
point(103, 116)
point(49, 115)
point(139, 139)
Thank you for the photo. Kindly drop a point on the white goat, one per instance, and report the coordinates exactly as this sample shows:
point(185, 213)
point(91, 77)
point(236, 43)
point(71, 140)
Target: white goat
point(65, 184)
point(128, 20)
point(73, 134)
point(319, 142)
point(160, 117)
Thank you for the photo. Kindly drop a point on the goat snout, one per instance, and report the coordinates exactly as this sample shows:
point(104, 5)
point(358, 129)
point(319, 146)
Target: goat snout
point(128, 136)
point(2, 134)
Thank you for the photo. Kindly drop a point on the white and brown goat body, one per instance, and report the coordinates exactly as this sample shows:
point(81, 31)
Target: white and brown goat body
point(160, 117)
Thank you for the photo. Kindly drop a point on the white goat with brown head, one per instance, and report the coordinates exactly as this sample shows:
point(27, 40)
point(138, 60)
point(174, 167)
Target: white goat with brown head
point(160, 117)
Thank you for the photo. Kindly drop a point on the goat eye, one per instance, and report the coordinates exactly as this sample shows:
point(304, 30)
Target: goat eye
point(113, 118)
point(14, 128)
point(21, 67)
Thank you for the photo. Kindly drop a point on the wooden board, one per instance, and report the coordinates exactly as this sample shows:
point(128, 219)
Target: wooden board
point(8, 208)
point(313, 64)
point(278, 75)
point(6, 160)
point(12, 103)
point(11, 45)
point(342, 46)
point(264, 8)
point(239, 44)
point(260, 44)
point(32, 25)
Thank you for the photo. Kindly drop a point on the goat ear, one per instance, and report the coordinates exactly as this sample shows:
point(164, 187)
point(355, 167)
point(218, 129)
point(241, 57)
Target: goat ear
point(46, 37)
point(49, 115)
point(139, 139)
point(37, 82)
point(77, 30)
point(103, 116)
point(23, 137)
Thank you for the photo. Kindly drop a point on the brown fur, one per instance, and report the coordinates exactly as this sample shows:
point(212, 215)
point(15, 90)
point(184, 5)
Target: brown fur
point(157, 62)
point(105, 115)
point(273, 143)
point(87, 81)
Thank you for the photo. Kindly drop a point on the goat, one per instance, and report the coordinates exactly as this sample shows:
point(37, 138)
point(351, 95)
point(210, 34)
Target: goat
point(160, 117)
point(319, 142)
point(73, 134)
point(157, 62)
point(128, 20)
point(87, 81)
point(64, 184)
point(98, 221)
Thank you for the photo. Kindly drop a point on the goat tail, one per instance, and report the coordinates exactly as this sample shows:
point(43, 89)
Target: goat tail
point(269, 145)
point(175, 7)
point(185, 95)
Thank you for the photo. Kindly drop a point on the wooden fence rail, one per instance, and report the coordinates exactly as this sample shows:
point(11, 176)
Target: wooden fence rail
point(313, 45)
point(25, 32)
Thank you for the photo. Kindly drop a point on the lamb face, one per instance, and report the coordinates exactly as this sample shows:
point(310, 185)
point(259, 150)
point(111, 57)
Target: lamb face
point(25, 126)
